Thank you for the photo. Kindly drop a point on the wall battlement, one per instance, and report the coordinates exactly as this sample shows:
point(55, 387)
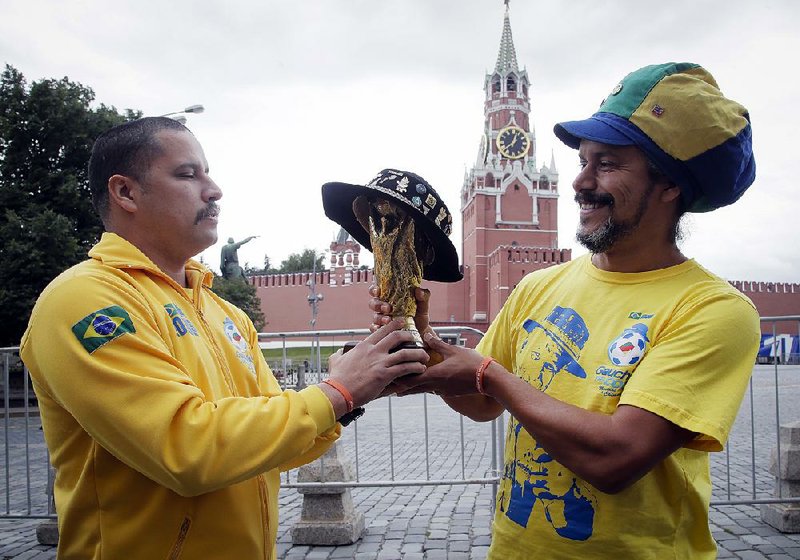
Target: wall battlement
point(753, 287)
point(302, 278)
point(509, 253)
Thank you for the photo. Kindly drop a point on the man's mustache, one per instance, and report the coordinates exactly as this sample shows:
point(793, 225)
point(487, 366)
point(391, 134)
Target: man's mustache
point(589, 197)
point(211, 210)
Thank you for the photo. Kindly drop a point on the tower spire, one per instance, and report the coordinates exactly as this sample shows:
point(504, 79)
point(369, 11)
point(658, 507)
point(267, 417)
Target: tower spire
point(507, 57)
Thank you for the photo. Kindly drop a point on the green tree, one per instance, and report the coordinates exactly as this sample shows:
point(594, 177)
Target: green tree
point(243, 295)
point(255, 271)
point(303, 262)
point(268, 269)
point(47, 222)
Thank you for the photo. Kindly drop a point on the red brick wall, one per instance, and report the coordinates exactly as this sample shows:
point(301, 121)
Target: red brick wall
point(517, 204)
point(773, 299)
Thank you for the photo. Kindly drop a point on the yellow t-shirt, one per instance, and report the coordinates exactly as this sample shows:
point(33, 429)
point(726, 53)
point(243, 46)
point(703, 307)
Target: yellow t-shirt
point(678, 342)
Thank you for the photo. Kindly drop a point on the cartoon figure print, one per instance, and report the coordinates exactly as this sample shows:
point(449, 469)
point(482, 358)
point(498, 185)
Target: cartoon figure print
point(534, 485)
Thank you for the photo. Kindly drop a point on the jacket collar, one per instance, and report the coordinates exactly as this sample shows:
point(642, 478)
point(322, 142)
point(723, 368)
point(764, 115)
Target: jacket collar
point(117, 252)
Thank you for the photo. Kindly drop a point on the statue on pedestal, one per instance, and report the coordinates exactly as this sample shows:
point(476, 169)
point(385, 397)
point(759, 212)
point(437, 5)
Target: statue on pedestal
point(229, 259)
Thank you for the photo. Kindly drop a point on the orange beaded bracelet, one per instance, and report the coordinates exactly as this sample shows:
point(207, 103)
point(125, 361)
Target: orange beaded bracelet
point(480, 371)
point(348, 398)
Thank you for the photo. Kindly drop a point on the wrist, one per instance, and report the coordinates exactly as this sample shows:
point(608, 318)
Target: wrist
point(348, 397)
point(480, 374)
point(336, 398)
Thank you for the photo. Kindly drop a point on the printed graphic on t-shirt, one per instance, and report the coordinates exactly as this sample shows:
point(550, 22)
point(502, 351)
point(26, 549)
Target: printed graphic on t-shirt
point(542, 491)
point(534, 486)
point(566, 334)
point(239, 343)
point(180, 321)
point(625, 353)
point(611, 381)
point(629, 347)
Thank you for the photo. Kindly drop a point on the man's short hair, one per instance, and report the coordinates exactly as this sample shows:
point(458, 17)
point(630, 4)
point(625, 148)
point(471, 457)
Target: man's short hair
point(126, 149)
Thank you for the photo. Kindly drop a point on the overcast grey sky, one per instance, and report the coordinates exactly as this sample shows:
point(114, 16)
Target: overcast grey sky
point(301, 93)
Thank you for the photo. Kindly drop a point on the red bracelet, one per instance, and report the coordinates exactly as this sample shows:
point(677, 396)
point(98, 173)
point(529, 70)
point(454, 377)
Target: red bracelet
point(348, 398)
point(480, 371)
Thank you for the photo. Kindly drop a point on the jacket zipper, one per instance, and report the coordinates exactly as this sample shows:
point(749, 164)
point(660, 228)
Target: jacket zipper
point(263, 491)
point(226, 374)
point(175, 553)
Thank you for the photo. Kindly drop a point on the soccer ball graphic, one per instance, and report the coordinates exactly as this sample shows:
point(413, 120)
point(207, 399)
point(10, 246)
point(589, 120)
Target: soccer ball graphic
point(629, 347)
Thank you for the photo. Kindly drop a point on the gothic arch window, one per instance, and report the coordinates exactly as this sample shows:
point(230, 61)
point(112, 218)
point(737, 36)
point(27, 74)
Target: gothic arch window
point(511, 83)
point(524, 89)
point(496, 84)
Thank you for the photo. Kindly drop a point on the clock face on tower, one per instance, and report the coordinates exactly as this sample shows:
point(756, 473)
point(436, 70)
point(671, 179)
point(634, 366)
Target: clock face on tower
point(513, 142)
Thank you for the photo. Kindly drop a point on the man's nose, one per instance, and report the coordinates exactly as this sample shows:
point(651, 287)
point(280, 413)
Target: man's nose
point(584, 180)
point(212, 191)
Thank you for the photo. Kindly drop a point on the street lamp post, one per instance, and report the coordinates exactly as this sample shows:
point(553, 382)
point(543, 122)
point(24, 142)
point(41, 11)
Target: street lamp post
point(180, 116)
point(314, 298)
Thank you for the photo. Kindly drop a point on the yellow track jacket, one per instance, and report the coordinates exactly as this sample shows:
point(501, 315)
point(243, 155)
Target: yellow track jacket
point(166, 428)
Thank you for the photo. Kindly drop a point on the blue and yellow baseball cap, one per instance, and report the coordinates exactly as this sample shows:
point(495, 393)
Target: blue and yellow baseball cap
point(676, 114)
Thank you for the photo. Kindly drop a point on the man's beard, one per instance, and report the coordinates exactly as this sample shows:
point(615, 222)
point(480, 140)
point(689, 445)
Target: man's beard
point(603, 238)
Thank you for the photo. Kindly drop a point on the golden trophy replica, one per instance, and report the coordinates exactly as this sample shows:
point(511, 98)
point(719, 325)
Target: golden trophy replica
point(404, 222)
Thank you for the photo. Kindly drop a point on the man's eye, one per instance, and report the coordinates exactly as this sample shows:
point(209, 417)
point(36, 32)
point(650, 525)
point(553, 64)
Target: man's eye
point(582, 164)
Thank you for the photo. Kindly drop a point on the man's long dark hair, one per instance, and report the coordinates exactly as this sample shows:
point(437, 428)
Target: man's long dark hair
point(676, 233)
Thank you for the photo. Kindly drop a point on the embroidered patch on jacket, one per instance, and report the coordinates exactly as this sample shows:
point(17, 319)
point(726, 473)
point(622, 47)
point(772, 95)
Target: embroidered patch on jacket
point(239, 344)
point(180, 321)
point(102, 326)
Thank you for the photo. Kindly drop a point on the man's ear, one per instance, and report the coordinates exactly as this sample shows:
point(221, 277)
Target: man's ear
point(124, 192)
point(671, 192)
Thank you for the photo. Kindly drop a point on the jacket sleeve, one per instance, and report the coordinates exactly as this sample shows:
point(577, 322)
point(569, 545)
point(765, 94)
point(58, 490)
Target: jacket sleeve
point(114, 373)
point(267, 380)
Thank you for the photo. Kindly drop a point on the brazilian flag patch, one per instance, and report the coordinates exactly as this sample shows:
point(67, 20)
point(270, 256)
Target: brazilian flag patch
point(102, 326)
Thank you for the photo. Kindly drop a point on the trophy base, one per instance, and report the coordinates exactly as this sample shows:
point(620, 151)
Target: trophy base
point(406, 345)
point(412, 328)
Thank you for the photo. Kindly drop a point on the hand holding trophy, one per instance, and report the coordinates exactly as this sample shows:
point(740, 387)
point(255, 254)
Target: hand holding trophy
point(404, 222)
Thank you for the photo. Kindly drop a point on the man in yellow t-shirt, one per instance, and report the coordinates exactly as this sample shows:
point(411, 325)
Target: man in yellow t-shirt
point(623, 368)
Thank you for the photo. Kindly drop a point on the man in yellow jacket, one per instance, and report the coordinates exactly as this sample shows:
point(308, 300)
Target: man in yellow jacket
point(165, 426)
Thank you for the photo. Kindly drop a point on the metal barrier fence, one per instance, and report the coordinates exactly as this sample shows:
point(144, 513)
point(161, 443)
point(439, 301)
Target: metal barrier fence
point(740, 475)
point(772, 398)
point(337, 338)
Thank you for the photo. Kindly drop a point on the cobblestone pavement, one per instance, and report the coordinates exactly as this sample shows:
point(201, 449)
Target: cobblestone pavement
point(447, 521)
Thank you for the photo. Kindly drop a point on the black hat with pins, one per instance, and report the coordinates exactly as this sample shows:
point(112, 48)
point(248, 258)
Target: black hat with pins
point(417, 197)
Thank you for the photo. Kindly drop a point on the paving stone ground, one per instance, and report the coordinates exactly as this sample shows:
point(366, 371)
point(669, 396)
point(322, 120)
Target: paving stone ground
point(449, 522)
